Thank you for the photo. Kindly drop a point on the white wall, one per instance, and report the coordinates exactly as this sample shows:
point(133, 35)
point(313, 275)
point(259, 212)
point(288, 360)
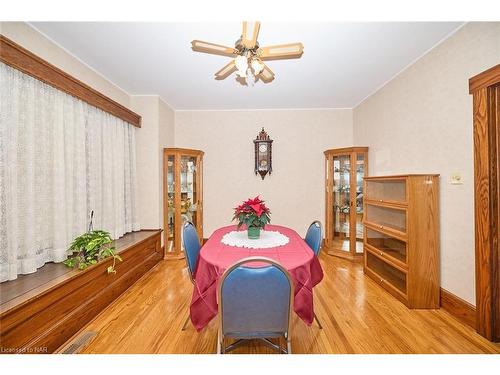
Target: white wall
point(295, 189)
point(147, 160)
point(166, 135)
point(157, 132)
point(421, 122)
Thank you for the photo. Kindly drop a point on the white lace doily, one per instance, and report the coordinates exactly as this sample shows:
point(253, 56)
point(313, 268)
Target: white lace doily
point(267, 239)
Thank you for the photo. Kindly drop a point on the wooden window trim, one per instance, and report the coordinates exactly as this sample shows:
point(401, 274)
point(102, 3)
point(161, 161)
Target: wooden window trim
point(21, 59)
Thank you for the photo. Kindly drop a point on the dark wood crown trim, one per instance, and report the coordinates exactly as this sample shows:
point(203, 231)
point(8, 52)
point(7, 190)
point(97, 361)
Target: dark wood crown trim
point(21, 59)
point(484, 79)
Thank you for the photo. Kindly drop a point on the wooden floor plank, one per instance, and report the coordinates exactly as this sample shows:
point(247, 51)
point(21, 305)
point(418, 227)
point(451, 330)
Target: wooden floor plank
point(357, 317)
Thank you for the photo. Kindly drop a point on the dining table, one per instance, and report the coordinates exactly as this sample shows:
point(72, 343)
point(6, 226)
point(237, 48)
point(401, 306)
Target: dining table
point(215, 257)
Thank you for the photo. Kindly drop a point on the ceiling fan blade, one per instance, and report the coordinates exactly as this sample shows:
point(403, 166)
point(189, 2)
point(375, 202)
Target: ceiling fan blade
point(281, 51)
point(226, 71)
point(267, 74)
point(250, 34)
point(216, 49)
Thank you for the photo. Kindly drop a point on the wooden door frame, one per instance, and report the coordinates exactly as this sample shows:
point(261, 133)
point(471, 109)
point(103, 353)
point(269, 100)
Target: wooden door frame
point(484, 88)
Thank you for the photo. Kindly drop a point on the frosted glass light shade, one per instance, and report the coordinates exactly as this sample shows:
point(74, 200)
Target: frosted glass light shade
point(241, 63)
point(257, 66)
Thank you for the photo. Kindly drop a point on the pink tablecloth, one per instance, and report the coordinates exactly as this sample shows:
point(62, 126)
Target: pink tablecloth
point(215, 258)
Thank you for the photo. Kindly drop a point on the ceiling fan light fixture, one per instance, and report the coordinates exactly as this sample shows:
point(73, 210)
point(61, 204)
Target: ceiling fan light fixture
point(249, 56)
point(257, 66)
point(250, 78)
point(241, 63)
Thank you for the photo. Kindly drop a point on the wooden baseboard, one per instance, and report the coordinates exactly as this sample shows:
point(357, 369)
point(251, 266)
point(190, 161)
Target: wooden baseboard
point(346, 255)
point(460, 309)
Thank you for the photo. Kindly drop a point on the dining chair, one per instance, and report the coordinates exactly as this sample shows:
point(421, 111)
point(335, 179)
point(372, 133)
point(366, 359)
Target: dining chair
point(313, 239)
point(255, 302)
point(191, 245)
point(314, 235)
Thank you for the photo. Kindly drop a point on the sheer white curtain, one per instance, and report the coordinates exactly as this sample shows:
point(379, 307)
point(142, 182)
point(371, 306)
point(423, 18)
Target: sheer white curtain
point(60, 158)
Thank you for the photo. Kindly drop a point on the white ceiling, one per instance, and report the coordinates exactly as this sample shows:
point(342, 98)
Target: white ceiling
point(342, 64)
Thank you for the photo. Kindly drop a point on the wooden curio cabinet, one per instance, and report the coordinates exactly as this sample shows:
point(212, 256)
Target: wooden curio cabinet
point(345, 170)
point(182, 196)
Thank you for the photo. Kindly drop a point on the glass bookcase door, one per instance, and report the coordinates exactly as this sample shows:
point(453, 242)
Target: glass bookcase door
point(169, 246)
point(388, 218)
point(387, 273)
point(386, 244)
point(341, 170)
point(388, 191)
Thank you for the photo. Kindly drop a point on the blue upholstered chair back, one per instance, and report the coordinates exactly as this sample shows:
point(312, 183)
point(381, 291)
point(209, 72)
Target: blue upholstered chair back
point(255, 302)
point(313, 236)
point(191, 245)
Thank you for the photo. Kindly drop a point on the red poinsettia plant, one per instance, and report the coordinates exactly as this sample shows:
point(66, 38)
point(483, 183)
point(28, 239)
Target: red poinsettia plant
point(252, 213)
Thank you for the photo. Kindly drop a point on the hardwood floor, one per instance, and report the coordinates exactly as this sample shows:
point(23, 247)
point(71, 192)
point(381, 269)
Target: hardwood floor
point(357, 317)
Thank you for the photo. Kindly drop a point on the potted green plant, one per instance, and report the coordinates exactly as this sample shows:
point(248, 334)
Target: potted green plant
point(254, 214)
point(90, 248)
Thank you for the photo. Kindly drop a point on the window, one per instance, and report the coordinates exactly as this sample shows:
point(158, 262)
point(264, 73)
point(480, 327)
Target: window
point(60, 158)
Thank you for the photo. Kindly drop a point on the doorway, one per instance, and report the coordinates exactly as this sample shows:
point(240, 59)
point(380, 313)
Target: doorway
point(485, 88)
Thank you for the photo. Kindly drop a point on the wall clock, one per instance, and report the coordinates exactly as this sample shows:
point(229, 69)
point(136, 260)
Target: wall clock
point(263, 154)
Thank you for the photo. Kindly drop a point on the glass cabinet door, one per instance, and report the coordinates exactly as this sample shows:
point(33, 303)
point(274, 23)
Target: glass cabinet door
point(170, 181)
point(359, 172)
point(189, 189)
point(345, 172)
point(341, 168)
point(183, 196)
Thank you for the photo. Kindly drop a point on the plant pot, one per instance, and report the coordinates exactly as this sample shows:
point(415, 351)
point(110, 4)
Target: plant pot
point(253, 233)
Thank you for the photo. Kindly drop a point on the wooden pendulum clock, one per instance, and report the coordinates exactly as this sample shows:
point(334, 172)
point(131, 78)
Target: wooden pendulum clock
point(263, 154)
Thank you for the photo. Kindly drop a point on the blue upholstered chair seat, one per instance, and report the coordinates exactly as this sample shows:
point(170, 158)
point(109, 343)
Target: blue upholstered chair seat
point(255, 302)
point(313, 237)
point(192, 247)
point(264, 306)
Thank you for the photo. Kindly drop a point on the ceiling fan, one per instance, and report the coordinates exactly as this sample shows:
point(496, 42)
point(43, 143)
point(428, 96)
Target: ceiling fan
point(248, 56)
